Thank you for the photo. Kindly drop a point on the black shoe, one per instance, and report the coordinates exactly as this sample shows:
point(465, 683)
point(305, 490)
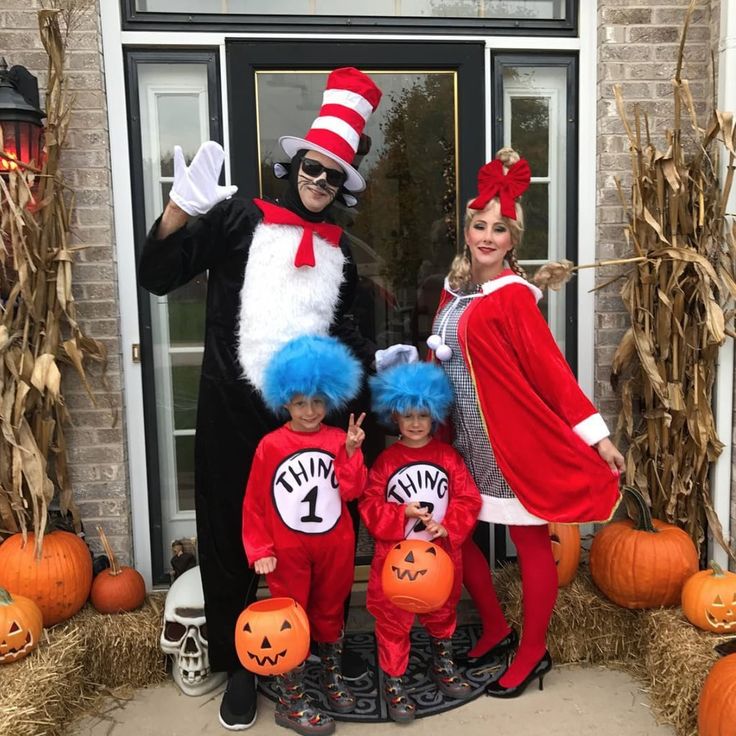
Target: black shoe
point(496, 654)
point(496, 690)
point(353, 666)
point(239, 702)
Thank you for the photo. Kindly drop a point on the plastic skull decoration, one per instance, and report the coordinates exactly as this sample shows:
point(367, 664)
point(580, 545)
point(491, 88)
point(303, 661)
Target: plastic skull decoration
point(184, 636)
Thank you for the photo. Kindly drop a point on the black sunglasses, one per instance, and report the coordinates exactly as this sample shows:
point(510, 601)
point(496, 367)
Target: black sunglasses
point(335, 177)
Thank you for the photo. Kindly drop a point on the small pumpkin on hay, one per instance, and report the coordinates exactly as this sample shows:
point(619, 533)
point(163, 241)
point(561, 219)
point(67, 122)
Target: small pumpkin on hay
point(21, 624)
point(642, 564)
point(118, 588)
point(709, 600)
point(58, 581)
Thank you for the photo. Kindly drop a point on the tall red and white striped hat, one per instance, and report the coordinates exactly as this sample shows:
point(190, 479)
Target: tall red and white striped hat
point(348, 101)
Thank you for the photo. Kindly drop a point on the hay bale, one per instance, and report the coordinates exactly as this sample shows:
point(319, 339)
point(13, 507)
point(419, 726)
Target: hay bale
point(585, 627)
point(88, 653)
point(676, 659)
point(46, 689)
point(123, 649)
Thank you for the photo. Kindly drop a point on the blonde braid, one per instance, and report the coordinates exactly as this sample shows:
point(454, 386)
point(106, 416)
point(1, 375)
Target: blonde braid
point(459, 277)
point(514, 264)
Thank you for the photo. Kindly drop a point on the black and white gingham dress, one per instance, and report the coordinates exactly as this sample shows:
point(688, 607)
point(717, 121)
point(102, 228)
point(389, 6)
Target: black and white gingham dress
point(500, 505)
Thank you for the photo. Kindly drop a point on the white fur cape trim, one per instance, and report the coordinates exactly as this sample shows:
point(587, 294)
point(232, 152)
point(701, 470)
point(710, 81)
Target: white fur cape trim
point(498, 283)
point(279, 301)
point(507, 511)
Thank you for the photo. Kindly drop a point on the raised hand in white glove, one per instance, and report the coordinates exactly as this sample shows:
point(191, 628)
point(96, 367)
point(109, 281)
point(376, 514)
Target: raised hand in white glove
point(195, 187)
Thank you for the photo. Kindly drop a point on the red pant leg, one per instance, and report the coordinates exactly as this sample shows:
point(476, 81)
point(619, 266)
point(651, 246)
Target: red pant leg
point(441, 623)
point(292, 576)
point(392, 625)
point(332, 560)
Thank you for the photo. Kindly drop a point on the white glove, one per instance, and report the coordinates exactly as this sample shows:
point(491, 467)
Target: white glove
point(195, 187)
point(395, 355)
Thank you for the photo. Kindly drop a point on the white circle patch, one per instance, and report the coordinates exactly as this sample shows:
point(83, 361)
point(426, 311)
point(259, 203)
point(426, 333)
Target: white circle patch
point(306, 492)
point(425, 483)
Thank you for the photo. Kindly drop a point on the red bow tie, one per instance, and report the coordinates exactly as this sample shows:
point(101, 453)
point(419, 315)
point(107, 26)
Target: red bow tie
point(275, 215)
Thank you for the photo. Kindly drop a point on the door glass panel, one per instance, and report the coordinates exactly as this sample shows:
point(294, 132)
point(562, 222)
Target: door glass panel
point(488, 9)
point(403, 231)
point(535, 123)
point(174, 111)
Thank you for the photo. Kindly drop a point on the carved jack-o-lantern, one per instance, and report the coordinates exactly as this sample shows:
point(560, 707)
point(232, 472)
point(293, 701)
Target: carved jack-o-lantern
point(272, 636)
point(417, 576)
point(709, 600)
point(21, 623)
point(565, 539)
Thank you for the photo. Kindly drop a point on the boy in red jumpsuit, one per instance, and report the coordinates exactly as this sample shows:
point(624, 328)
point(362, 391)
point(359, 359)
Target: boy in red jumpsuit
point(296, 527)
point(419, 488)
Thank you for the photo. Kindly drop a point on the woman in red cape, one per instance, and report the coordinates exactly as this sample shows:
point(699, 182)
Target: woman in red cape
point(535, 445)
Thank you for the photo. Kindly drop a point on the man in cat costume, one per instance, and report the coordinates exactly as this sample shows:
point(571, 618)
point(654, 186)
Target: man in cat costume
point(274, 271)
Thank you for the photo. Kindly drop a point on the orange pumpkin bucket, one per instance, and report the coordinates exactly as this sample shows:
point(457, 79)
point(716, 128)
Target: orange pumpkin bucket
point(272, 636)
point(417, 576)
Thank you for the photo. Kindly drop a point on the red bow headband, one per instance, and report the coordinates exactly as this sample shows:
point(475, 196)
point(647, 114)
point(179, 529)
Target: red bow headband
point(507, 187)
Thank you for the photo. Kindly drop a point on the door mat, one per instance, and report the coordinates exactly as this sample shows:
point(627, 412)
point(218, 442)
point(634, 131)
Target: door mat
point(422, 690)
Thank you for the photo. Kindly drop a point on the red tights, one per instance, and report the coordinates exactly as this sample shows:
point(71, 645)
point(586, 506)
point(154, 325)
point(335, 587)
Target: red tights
point(539, 591)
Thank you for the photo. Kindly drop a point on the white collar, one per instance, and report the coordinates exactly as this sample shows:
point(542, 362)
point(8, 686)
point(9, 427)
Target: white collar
point(495, 284)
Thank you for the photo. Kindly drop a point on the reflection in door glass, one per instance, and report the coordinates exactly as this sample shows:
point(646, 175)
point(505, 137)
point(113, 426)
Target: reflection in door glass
point(403, 230)
point(498, 9)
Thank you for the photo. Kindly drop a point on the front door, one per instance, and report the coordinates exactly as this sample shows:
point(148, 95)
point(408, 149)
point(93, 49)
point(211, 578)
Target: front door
point(426, 145)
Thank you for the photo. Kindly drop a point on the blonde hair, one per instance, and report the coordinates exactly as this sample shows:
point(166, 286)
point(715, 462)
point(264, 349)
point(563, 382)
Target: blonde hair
point(459, 276)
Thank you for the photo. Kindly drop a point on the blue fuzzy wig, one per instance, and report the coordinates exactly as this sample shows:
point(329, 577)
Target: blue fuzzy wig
point(312, 365)
point(411, 387)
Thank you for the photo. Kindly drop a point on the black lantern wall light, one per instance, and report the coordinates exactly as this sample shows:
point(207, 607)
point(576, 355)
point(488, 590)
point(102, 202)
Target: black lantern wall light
point(21, 126)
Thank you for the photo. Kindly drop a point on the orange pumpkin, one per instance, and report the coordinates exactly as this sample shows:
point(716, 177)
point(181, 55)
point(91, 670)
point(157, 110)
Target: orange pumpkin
point(119, 588)
point(717, 707)
point(272, 636)
point(417, 576)
point(58, 583)
point(21, 624)
point(642, 565)
point(565, 539)
point(709, 600)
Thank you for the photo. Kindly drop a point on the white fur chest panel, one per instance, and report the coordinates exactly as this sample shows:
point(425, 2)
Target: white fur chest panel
point(278, 301)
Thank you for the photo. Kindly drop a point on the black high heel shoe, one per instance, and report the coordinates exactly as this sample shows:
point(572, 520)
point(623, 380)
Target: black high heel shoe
point(500, 651)
point(540, 669)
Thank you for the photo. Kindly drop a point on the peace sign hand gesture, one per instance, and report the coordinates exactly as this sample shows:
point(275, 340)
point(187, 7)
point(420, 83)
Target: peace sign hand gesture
point(355, 435)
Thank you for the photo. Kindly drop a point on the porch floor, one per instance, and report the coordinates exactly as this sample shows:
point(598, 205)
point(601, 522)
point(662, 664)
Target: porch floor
point(575, 700)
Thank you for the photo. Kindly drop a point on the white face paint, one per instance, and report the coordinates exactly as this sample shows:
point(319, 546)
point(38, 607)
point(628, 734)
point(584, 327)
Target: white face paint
point(306, 492)
point(424, 483)
point(184, 636)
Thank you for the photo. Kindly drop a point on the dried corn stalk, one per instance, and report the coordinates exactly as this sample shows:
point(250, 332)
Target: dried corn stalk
point(676, 297)
point(38, 327)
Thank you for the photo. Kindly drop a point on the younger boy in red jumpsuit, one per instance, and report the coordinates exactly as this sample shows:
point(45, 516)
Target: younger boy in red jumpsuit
point(419, 488)
point(296, 527)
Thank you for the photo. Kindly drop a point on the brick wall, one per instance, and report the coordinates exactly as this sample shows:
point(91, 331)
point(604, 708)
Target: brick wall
point(637, 48)
point(96, 439)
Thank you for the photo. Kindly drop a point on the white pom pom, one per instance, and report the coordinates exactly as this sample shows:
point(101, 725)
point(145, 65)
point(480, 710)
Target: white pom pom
point(434, 341)
point(443, 353)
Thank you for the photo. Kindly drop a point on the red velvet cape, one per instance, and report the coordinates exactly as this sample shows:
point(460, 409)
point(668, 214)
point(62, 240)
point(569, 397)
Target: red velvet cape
point(531, 402)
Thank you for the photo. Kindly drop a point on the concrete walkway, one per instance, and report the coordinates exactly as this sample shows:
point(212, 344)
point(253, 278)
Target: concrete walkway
point(576, 700)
